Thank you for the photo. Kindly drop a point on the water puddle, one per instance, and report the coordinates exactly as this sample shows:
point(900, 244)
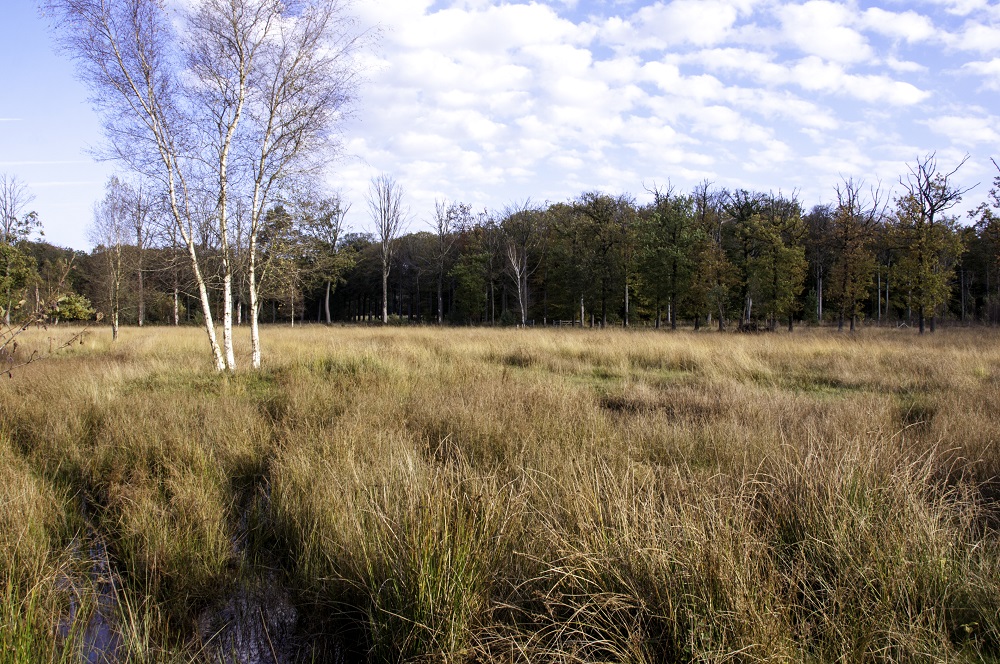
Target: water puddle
point(90, 627)
point(256, 622)
point(252, 626)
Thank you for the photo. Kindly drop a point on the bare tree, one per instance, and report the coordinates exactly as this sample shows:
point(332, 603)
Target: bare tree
point(385, 204)
point(128, 52)
point(16, 224)
point(232, 98)
point(142, 209)
point(447, 219)
point(522, 229)
point(108, 232)
point(322, 226)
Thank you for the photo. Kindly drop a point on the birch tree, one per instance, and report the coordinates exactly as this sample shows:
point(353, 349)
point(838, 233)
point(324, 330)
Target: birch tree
point(233, 98)
point(522, 230)
point(108, 233)
point(385, 205)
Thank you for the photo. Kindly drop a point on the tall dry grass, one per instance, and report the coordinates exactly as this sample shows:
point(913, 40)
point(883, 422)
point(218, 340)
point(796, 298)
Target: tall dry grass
point(467, 495)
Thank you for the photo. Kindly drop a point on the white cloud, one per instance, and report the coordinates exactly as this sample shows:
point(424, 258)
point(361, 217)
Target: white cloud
point(904, 66)
point(813, 74)
point(989, 70)
point(961, 7)
point(907, 26)
point(976, 37)
point(967, 131)
point(760, 66)
point(488, 102)
point(822, 28)
point(662, 25)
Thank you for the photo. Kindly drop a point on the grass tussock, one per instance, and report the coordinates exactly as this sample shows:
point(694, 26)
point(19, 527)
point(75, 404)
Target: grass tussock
point(509, 496)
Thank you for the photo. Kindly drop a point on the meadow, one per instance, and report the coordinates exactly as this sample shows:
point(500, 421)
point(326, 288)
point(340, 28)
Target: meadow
point(477, 495)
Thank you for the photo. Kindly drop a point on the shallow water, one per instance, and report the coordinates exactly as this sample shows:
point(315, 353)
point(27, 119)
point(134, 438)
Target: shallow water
point(252, 626)
point(93, 630)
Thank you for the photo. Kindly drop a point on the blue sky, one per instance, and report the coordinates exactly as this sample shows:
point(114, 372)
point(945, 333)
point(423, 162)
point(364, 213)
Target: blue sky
point(487, 102)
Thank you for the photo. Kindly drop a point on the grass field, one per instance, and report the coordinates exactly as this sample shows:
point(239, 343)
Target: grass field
point(473, 495)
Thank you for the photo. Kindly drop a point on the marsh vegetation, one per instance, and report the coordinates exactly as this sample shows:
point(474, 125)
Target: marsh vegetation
point(474, 495)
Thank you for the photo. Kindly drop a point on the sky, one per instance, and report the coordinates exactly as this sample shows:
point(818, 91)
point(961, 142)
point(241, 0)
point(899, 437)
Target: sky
point(491, 102)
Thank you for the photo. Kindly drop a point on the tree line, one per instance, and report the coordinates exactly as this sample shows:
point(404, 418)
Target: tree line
point(223, 116)
point(730, 259)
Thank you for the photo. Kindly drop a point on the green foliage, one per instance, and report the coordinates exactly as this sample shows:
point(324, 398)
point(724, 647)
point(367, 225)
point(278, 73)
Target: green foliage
point(674, 248)
point(929, 253)
point(73, 307)
point(771, 257)
point(16, 271)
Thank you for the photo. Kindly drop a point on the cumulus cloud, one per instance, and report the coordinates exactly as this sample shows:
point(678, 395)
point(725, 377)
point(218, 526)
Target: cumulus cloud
point(908, 26)
point(489, 101)
point(967, 131)
point(813, 74)
point(988, 70)
point(663, 25)
point(976, 36)
point(823, 28)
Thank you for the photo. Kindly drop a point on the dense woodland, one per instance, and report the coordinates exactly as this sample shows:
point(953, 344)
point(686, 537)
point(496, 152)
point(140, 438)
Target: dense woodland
point(711, 257)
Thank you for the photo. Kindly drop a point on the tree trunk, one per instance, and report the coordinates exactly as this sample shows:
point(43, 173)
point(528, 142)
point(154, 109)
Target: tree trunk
point(385, 297)
point(177, 307)
point(963, 294)
point(441, 297)
point(626, 304)
point(604, 305)
point(878, 298)
point(227, 314)
point(206, 307)
point(326, 301)
point(819, 299)
point(142, 297)
point(255, 351)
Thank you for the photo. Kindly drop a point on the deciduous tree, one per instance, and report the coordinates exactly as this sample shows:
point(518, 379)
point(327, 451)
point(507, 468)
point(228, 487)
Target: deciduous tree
point(223, 98)
point(854, 222)
point(927, 235)
point(385, 204)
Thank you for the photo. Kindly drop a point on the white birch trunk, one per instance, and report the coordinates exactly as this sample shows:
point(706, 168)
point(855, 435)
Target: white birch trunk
point(385, 297)
point(254, 304)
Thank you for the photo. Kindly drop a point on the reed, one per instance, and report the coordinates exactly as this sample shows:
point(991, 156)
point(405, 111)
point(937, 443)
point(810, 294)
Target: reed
point(467, 495)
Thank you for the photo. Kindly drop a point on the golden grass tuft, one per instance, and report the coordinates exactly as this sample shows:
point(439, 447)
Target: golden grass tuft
point(467, 495)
